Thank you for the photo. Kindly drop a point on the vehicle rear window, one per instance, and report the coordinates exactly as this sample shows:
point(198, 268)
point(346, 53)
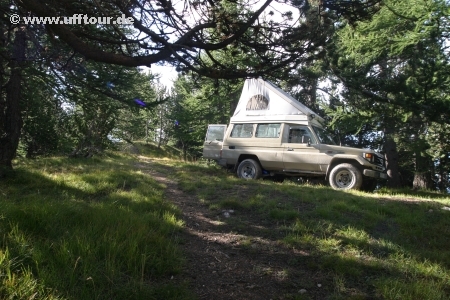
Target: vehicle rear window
point(215, 133)
point(242, 131)
point(268, 130)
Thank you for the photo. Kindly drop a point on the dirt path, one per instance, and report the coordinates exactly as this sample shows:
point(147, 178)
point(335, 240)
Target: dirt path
point(237, 259)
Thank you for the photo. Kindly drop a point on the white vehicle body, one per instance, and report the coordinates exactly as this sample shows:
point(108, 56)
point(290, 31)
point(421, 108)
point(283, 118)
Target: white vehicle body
point(271, 133)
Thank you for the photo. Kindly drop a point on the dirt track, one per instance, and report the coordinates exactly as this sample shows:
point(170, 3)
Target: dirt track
point(238, 261)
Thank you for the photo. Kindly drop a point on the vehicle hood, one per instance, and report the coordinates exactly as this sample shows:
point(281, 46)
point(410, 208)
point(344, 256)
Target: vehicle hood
point(345, 150)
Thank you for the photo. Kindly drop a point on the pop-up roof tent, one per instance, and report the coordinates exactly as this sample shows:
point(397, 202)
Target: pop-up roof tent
point(263, 101)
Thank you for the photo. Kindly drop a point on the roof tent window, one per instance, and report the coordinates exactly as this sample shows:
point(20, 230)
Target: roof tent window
point(257, 102)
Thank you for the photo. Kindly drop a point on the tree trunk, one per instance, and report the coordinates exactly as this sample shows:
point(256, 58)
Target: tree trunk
point(444, 179)
point(146, 131)
point(10, 115)
point(391, 156)
point(422, 181)
point(160, 128)
point(422, 175)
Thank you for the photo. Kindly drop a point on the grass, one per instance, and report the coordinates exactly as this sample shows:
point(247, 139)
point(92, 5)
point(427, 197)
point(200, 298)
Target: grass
point(392, 244)
point(100, 229)
point(151, 149)
point(87, 229)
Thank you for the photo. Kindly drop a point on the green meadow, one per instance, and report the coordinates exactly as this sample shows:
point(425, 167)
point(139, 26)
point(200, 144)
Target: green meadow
point(101, 228)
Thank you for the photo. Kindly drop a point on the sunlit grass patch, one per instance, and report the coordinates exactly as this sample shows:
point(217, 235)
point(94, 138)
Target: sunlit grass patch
point(91, 229)
point(417, 279)
point(364, 240)
point(151, 149)
point(17, 282)
point(108, 229)
point(353, 254)
point(406, 194)
point(392, 289)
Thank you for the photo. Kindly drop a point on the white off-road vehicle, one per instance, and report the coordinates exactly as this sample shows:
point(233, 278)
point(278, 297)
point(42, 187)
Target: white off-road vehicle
point(272, 134)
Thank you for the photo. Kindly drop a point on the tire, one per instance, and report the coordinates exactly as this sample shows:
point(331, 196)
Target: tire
point(249, 169)
point(345, 177)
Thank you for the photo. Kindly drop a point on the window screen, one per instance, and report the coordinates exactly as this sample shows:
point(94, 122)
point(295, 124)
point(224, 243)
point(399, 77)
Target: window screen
point(268, 130)
point(242, 131)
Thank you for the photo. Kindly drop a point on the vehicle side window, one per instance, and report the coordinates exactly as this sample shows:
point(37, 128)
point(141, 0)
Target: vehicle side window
point(242, 131)
point(300, 135)
point(268, 130)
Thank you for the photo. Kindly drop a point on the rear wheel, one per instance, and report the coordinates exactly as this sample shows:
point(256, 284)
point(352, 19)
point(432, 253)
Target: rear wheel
point(345, 177)
point(249, 169)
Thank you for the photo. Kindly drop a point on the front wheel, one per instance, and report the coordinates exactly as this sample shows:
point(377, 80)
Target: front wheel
point(249, 169)
point(345, 177)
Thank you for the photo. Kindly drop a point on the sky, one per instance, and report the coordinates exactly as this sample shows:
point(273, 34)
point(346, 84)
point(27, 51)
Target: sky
point(167, 74)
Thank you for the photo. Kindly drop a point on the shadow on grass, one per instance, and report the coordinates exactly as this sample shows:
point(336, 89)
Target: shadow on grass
point(91, 230)
point(355, 246)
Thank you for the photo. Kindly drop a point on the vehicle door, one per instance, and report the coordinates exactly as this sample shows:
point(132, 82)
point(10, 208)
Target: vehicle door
point(267, 145)
point(213, 141)
point(301, 149)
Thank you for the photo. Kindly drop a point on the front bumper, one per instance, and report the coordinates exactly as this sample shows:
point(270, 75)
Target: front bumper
point(374, 174)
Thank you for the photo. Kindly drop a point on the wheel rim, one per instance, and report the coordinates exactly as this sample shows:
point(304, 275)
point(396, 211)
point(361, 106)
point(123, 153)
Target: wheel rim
point(248, 171)
point(344, 179)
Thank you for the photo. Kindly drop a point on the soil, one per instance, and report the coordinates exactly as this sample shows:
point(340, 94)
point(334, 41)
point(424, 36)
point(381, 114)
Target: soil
point(239, 258)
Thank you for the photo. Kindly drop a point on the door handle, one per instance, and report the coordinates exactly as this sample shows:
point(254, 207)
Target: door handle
point(231, 147)
point(290, 149)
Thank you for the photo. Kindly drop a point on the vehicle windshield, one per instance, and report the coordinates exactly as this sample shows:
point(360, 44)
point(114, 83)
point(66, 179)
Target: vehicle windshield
point(324, 136)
